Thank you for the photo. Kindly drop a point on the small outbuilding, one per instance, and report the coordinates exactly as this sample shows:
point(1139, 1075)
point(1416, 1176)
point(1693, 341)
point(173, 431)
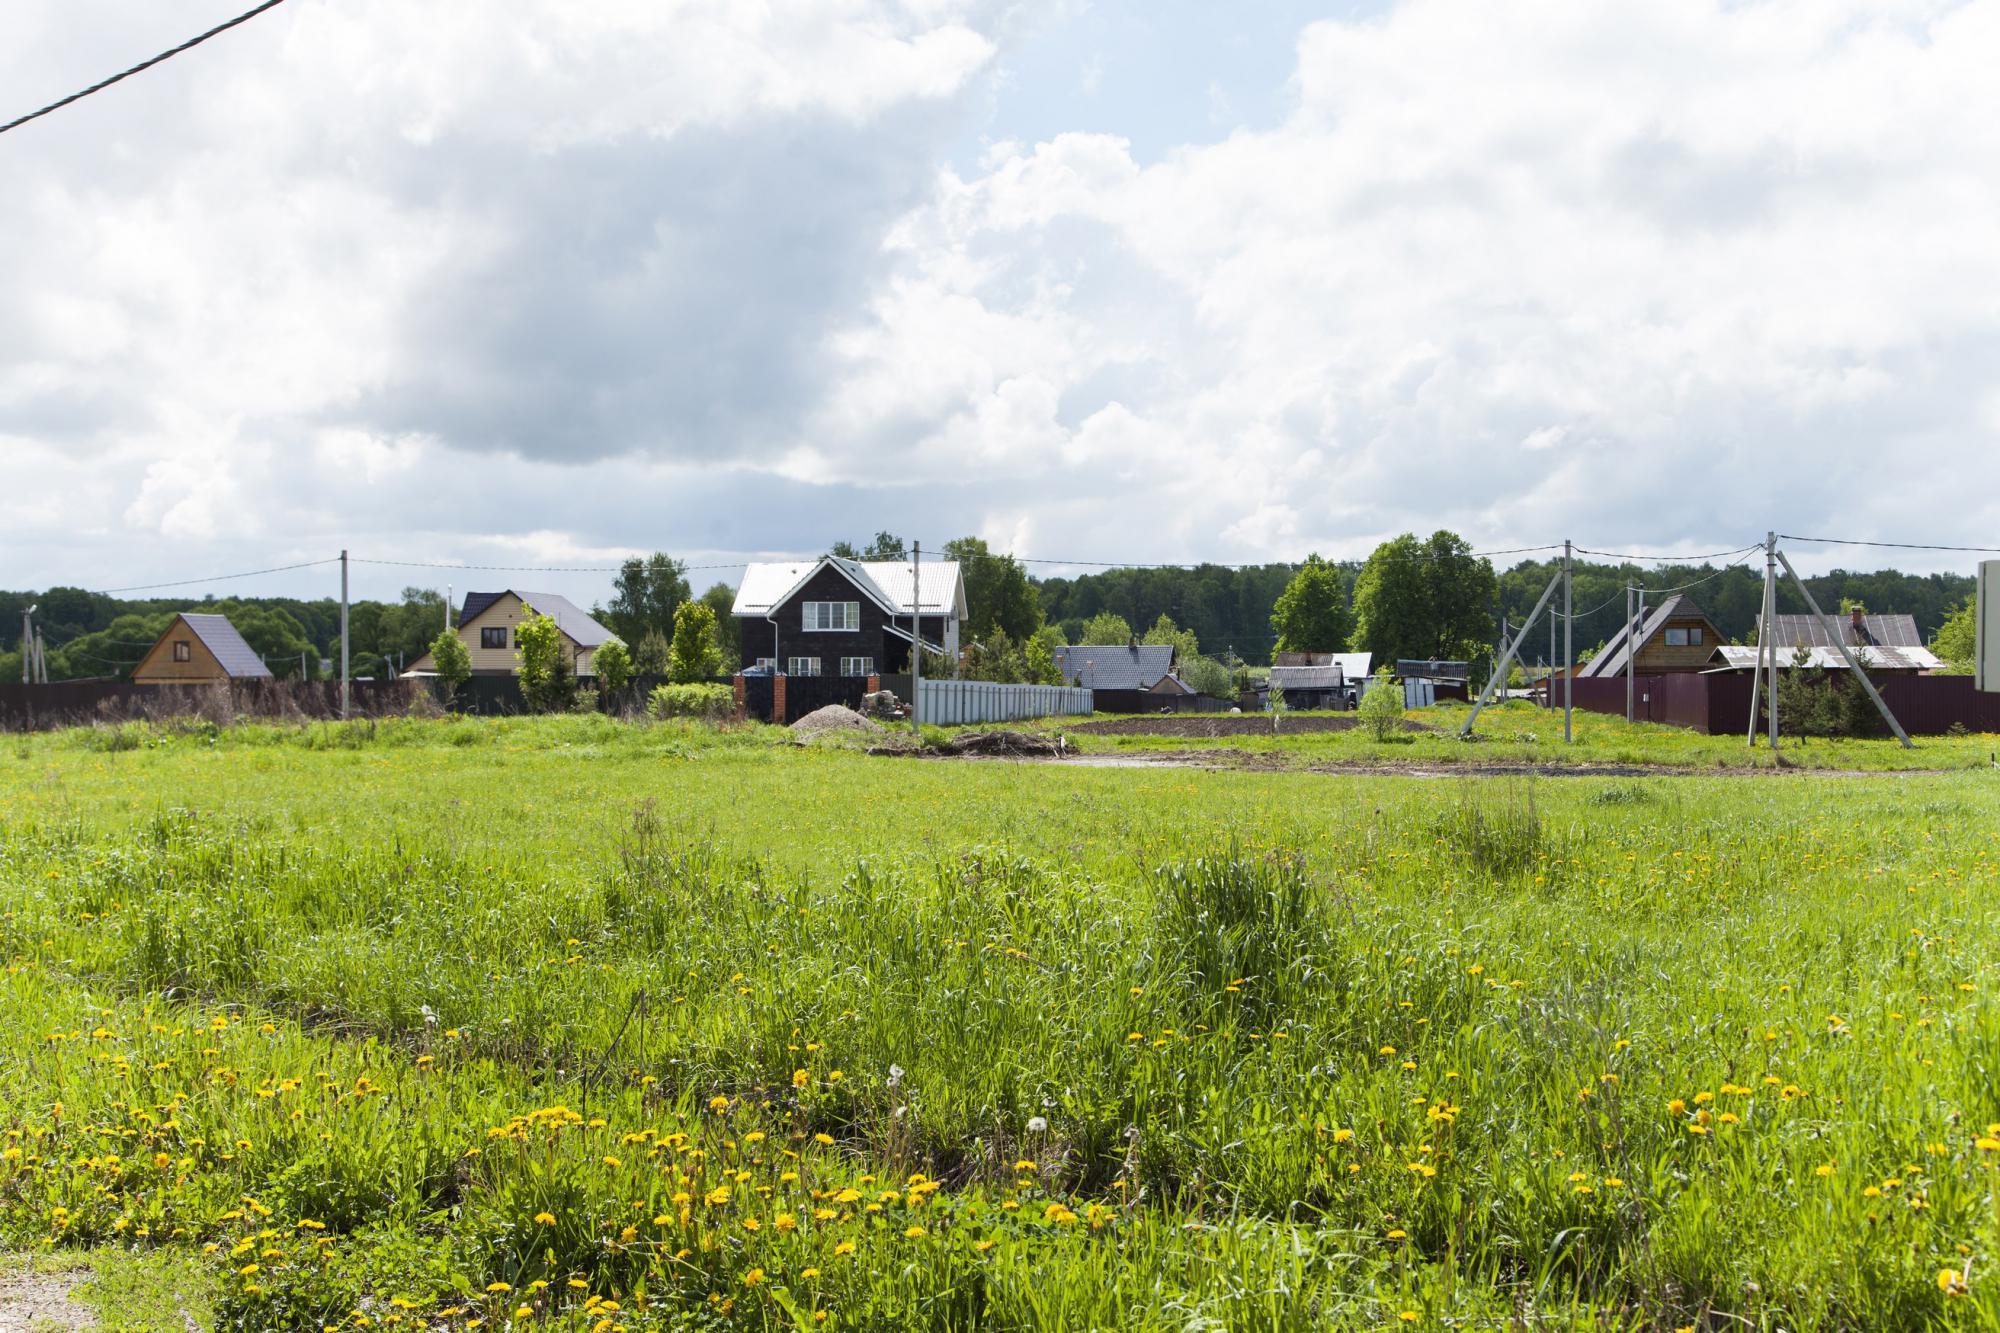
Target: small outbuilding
point(199, 649)
point(1677, 635)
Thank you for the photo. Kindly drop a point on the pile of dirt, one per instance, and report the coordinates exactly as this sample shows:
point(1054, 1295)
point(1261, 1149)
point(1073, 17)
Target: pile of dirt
point(984, 745)
point(833, 717)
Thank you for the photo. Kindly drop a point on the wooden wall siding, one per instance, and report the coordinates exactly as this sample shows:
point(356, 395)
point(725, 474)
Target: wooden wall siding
point(1655, 656)
point(829, 646)
point(158, 667)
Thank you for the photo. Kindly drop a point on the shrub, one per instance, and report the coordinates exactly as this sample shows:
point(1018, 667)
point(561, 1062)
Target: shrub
point(614, 666)
point(705, 702)
point(548, 681)
point(452, 660)
point(1381, 708)
point(693, 655)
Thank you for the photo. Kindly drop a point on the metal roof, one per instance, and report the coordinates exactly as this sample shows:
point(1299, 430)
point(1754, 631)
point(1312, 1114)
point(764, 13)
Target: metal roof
point(238, 659)
point(768, 584)
point(1432, 667)
point(1355, 666)
point(1115, 666)
point(1611, 660)
point(1893, 631)
point(1738, 658)
point(1308, 677)
point(570, 618)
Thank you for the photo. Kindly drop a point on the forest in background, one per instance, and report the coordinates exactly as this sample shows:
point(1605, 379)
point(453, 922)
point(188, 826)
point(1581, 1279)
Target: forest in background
point(1226, 609)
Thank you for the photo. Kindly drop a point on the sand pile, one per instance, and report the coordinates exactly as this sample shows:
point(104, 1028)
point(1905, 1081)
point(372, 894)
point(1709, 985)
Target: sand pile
point(833, 717)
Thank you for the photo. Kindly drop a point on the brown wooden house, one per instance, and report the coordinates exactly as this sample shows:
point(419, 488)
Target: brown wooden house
point(199, 649)
point(1676, 636)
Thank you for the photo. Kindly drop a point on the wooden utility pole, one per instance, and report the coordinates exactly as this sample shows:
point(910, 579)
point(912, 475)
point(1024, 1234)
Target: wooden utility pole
point(343, 635)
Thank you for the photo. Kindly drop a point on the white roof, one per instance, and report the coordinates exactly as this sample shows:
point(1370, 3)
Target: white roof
point(1740, 658)
point(1354, 666)
point(768, 583)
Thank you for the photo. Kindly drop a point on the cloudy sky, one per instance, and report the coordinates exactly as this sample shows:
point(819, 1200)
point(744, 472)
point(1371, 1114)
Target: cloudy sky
point(525, 282)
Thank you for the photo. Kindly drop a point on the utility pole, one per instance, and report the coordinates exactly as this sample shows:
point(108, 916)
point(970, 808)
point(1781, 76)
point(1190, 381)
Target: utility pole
point(41, 659)
point(1763, 647)
point(343, 635)
point(1548, 679)
point(28, 643)
point(1628, 652)
point(1840, 646)
point(1569, 643)
point(1771, 619)
point(916, 637)
point(447, 608)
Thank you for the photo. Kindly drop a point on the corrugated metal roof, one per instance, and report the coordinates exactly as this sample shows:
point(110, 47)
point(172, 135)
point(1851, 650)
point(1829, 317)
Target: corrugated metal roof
point(239, 660)
point(1433, 668)
point(1356, 666)
point(1115, 666)
point(1308, 677)
point(476, 602)
point(768, 583)
point(1890, 631)
point(1872, 658)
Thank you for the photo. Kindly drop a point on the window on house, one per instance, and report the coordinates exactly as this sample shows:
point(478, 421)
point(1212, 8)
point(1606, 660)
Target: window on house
point(1684, 637)
point(831, 615)
point(183, 651)
point(768, 663)
point(493, 636)
point(803, 666)
point(857, 666)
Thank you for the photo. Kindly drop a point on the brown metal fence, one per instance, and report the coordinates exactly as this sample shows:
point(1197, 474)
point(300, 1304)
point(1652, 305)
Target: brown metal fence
point(72, 702)
point(1719, 703)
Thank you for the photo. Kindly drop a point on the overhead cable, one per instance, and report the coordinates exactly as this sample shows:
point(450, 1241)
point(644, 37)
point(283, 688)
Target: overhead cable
point(102, 84)
point(219, 578)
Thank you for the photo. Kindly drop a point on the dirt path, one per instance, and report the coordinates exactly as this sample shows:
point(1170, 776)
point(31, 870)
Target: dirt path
point(1224, 760)
point(32, 1302)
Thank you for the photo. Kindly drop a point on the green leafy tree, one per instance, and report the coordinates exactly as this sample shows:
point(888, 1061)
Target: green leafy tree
point(1381, 708)
point(614, 666)
point(693, 656)
point(548, 677)
point(452, 660)
point(646, 594)
point(1424, 599)
point(1205, 675)
point(1311, 614)
point(1165, 633)
point(844, 550)
point(1105, 627)
point(1038, 657)
point(998, 594)
point(1957, 640)
point(721, 599)
point(651, 657)
point(994, 658)
point(886, 546)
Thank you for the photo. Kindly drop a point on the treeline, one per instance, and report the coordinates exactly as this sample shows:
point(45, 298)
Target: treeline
point(1224, 612)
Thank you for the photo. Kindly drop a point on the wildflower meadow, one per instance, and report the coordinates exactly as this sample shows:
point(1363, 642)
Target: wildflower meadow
point(573, 1024)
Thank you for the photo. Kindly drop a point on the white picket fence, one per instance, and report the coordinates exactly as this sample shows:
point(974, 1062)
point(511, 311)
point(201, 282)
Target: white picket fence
point(952, 702)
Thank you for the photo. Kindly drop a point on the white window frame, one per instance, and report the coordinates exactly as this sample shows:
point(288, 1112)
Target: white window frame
point(857, 666)
point(829, 617)
point(804, 666)
point(768, 663)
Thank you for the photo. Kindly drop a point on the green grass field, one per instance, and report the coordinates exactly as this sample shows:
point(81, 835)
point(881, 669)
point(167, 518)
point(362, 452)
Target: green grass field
point(572, 1024)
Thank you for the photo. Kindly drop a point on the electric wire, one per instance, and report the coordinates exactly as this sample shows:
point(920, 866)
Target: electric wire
point(1894, 546)
point(219, 578)
point(143, 65)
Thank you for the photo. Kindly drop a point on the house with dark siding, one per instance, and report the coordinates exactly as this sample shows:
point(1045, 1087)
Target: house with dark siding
point(839, 617)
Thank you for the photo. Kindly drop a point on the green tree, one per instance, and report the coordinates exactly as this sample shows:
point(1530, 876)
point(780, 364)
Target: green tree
point(1381, 708)
point(1105, 627)
point(1205, 675)
point(452, 661)
point(651, 657)
point(1038, 657)
point(548, 677)
point(721, 599)
point(614, 666)
point(1957, 640)
point(646, 594)
point(998, 594)
point(1424, 599)
point(1311, 614)
point(693, 656)
point(1164, 632)
point(844, 550)
point(994, 658)
point(886, 546)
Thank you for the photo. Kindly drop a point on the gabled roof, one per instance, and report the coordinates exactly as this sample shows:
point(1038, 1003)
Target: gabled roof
point(1432, 668)
point(1115, 666)
point(1611, 661)
point(238, 659)
point(1893, 631)
point(888, 583)
point(570, 618)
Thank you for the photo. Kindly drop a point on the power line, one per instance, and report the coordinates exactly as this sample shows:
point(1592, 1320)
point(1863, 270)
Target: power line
point(1894, 546)
point(1661, 559)
point(219, 578)
point(102, 84)
point(528, 569)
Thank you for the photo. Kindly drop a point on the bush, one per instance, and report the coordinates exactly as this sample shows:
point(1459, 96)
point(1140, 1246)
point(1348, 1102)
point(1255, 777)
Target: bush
point(693, 655)
point(706, 702)
point(1381, 708)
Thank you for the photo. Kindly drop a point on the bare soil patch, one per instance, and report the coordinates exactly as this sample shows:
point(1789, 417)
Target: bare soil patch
point(833, 717)
point(1209, 726)
point(987, 745)
point(33, 1302)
